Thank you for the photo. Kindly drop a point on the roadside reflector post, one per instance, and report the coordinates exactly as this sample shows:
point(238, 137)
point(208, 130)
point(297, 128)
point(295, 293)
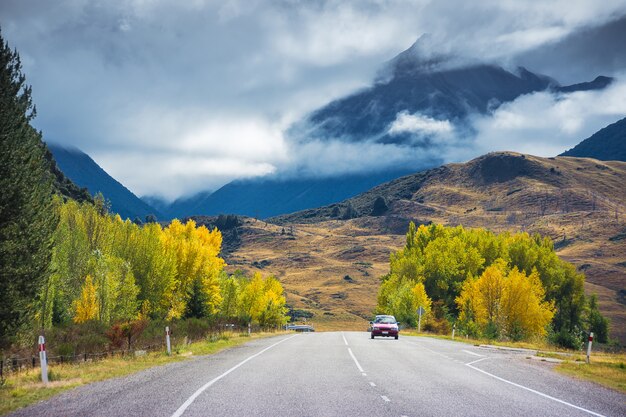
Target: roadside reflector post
point(249, 330)
point(453, 330)
point(167, 340)
point(43, 360)
point(589, 347)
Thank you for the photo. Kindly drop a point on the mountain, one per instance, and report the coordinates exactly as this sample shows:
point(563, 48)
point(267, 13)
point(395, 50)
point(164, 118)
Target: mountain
point(436, 88)
point(608, 144)
point(85, 172)
point(263, 198)
point(329, 263)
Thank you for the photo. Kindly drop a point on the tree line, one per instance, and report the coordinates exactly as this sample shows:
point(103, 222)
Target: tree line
point(112, 270)
point(501, 286)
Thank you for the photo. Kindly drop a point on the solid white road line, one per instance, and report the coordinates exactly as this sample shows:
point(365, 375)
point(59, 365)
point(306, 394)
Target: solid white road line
point(344, 339)
point(384, 397)
point(358, 365)
point(530, 389)
point(195, 395)
point(472, 353)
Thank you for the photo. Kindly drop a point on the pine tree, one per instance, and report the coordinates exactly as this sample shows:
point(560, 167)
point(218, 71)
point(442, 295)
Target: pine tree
point(27, 217)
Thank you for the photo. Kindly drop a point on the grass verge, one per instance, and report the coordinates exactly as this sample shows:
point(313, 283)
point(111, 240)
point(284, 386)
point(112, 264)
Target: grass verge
point(25, 388)
point(608, 370)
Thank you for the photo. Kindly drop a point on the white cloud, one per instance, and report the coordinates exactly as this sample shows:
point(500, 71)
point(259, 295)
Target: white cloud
point(546, 124)
point(420, 125)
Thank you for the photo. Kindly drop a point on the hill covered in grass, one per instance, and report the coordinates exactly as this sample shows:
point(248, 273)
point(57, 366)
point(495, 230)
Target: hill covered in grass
point(329, 259)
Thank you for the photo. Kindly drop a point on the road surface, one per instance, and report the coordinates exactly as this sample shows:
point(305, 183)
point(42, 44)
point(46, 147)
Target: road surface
point(342, 374)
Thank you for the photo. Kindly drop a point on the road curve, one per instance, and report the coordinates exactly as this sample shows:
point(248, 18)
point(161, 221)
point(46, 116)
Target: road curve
point(341, 374)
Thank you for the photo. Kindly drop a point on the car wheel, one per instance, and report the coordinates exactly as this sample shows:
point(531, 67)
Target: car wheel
point(396, 337)
point(372, 336)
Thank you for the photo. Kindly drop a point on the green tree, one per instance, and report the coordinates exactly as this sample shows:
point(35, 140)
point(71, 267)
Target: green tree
point(27, 216)
point(595, 321)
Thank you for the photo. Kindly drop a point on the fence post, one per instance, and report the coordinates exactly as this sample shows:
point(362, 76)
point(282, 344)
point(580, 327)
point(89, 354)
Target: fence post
point(43, 360)
point(589, 346)
point(1, 370)
point(167, 340)
point(33, 360)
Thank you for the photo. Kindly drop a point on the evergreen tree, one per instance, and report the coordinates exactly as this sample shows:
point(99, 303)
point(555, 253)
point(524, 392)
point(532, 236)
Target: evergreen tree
point(27, 216)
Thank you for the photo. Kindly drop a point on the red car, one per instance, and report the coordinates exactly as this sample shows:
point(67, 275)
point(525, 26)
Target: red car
point(386, 326)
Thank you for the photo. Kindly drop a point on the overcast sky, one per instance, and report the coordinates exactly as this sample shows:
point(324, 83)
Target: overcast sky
point(176, 97)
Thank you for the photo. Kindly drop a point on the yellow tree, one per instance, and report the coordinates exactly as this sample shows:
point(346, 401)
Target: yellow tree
point(86, 307)
point(525, 312)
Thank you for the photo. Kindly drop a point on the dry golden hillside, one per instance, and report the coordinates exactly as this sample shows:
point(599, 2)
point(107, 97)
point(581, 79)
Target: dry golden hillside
point(331, 266)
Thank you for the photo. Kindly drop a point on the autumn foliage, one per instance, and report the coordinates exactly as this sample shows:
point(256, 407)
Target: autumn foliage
point(120, 274)
point(510, 286)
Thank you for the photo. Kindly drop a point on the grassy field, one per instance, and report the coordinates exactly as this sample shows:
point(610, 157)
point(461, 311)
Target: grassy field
point(24, 388)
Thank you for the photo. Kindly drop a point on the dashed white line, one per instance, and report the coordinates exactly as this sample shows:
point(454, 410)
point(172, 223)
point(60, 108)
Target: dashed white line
point(472, 353)
point(385, 398)
point(372, 384)
point(530, 389)
point(195, 395)
point(344, 339)
point(358, 365)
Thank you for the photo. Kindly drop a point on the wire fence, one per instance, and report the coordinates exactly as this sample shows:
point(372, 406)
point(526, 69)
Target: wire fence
point(13, 365)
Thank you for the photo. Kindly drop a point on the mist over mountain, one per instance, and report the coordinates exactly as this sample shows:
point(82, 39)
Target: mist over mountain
point(423, 99)
point(419, 105)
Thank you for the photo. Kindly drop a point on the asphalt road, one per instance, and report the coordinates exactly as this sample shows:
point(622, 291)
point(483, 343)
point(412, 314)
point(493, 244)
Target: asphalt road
point(342, 374)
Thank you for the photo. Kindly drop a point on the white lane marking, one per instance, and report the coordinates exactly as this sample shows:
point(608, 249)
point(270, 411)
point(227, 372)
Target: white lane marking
point(195, 395)
point(531, 390)
point(344, 339)
point(372, 384)
point(358, 365)
point(384, 397)
point(472, 353)
point(364, 374)
point(476, 361)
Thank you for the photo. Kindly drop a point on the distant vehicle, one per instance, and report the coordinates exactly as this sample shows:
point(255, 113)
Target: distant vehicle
point(385, 326)
point(300, 328)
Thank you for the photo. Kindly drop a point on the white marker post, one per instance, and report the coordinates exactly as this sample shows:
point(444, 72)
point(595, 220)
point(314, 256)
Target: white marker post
point(43, 360)
point(167, 340)
point(589, 346)
point(453, 330)
point(249, 329)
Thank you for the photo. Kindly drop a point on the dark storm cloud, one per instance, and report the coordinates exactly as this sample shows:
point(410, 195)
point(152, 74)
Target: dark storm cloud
point(176, 97)
point(583, 55)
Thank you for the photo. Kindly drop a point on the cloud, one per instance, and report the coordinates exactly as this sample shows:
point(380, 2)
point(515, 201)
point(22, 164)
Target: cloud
point(420, 125)
point(174, 97)
point(327, 158)
point(546, 124)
